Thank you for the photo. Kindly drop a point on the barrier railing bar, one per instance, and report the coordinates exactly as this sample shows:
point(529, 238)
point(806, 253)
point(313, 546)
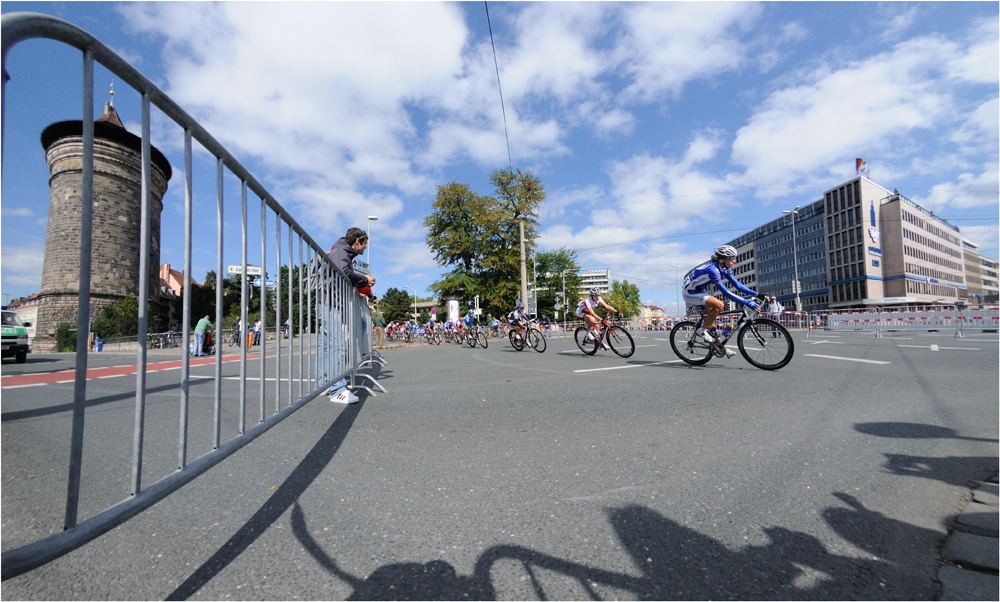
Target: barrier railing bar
point(219, 285)
point(291, 335)
point(83, 304)
point(143, 326)
point(263, 306)
point(277, 316)
point(22, 559)
point(186, 356)
point(302, 358)
point(244, 327)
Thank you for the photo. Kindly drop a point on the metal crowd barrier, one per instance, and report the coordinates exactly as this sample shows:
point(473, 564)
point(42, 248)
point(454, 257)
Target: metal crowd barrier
point(338, 348)
point(881, 320)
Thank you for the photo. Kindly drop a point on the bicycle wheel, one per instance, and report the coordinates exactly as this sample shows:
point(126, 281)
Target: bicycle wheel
point(483, 342)
point(515, 340)
point(537, 340)
point(688, 346)
point(766, 344)
point(620, 341)
point(588, 347)
point(471, 339)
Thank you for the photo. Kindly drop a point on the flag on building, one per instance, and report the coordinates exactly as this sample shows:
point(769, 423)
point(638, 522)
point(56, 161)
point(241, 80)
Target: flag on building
point(861, 166)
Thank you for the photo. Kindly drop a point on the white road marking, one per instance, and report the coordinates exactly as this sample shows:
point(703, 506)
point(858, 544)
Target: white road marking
point(628, 366)
point(936, 348)
point(846, 359)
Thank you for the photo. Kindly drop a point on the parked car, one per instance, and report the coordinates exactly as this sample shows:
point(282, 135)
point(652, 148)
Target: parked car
point(15, 337)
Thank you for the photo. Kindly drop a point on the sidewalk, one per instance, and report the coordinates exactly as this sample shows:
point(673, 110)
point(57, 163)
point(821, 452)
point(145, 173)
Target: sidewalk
point(971, 549)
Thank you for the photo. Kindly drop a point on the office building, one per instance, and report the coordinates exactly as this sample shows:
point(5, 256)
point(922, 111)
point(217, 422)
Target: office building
point(860, 246)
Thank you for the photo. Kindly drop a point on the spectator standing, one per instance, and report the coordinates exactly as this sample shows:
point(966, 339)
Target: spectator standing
point(256, 332)
point(204, 326)
point(379, 322)
point(342, 254)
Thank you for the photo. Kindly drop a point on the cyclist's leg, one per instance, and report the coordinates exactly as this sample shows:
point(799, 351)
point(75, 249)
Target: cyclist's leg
point(713, 307)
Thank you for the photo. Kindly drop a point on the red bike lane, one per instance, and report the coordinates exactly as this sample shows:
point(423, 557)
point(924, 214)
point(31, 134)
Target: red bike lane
point(23, 380)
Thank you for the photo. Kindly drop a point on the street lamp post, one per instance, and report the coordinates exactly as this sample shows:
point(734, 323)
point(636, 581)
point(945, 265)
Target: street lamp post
point(678, 291)
point(414, 301)
point(565, 300)
point(795, 259)
point(371, 218)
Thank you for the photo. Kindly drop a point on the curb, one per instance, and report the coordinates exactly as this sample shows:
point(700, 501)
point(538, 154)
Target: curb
point(970, 552)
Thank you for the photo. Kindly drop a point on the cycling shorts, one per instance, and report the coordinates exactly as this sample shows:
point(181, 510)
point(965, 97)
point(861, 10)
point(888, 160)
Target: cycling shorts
point(695, 299)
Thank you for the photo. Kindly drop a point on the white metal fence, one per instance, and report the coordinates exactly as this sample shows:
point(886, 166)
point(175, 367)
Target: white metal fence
point(332, 338)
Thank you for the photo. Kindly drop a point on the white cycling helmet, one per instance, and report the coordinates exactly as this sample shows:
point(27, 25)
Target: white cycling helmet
point(595, 292)
point(725, 252)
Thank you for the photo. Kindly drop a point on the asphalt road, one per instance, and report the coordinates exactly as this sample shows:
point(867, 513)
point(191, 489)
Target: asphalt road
point(495, 474)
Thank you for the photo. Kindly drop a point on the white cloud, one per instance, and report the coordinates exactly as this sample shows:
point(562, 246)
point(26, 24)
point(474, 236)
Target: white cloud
point(22, 265)
point(655, 193)
point(805, 131)
point(670, 44)
point(986, 236)
point(970, 190)
point(327, 87)
point(16, 212)
point(980, 63)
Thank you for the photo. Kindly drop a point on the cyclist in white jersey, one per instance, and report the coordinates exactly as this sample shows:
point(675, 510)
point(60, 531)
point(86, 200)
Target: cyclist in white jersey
point(585, 311)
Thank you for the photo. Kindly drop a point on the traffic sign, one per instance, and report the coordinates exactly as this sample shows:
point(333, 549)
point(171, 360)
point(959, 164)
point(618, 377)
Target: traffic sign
point(268, 284)
point(252, 270)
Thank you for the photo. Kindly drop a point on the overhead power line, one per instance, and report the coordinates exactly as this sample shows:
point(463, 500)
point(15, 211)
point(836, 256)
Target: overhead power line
point(502, 108)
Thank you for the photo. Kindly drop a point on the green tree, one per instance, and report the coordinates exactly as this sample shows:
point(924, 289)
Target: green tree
point(479, 238)
point(121, 319)
point(549, 269)
point(396, 305)
point(624, 296)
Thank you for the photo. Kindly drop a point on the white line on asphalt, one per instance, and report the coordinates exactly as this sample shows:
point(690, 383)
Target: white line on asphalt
point(629, 366)
point(31, 385)
point(936, 348)
point(846, 359)
point(831, 342)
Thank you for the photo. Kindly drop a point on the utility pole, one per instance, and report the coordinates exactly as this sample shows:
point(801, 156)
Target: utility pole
point(524, 269)
point(795, 259)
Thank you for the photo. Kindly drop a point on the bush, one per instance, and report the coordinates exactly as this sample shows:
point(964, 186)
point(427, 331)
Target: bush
point(66, 337)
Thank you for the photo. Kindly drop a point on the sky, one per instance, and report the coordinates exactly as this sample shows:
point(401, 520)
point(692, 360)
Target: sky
point(659, 130)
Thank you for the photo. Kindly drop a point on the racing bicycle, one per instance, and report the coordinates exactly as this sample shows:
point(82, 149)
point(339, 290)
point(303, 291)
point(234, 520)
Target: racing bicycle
point(762, 341)
point(614, 334)
point(532, 337)
point(476, 335)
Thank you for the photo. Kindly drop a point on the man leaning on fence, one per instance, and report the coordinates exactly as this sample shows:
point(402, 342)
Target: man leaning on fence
point(342, 254)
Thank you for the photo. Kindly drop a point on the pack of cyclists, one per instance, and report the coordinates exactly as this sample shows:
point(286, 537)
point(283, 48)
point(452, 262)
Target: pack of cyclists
point(717, 272)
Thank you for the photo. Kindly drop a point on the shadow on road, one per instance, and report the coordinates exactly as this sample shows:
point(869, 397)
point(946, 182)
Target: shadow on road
point(673, 562)
point(284, 497)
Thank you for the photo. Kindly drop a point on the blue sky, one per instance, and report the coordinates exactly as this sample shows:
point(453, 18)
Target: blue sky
point(677, 125)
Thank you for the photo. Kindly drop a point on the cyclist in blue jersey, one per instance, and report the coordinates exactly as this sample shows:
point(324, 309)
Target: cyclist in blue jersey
point(469, 322)
point(713, 272)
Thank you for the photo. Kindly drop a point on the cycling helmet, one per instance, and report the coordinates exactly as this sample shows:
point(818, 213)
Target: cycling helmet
point(594, 292)
point(725, 252)
point(520, 305)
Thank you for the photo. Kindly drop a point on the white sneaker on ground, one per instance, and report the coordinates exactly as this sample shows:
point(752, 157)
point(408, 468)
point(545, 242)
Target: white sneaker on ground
point(337, 386)
point(344, 396)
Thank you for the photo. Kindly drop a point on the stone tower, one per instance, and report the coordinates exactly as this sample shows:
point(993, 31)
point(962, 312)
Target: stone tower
point(117, 223)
